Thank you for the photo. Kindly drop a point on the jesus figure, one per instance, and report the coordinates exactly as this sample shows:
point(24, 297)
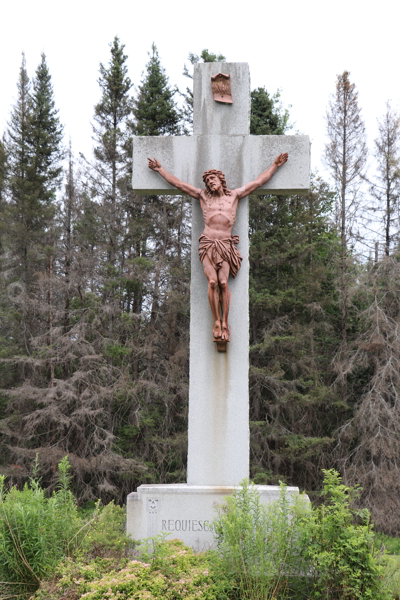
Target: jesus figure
point(217, 249)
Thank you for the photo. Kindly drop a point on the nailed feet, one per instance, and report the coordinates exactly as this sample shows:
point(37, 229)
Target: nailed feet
point(217, 332)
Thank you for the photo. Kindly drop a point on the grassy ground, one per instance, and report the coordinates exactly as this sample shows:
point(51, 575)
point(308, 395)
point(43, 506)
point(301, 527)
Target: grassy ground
point(392, 575)
point(391, 546)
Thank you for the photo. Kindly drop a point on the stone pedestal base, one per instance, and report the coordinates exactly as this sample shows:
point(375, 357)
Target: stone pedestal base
point(184, 511)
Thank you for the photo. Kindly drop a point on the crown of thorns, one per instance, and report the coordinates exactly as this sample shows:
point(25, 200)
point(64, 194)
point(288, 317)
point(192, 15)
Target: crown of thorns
point(219, 174)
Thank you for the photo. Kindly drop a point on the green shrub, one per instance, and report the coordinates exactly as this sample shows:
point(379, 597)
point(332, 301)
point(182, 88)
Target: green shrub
point(173, 572)
point(35, 531)
point(284, 550)
point(258, 546)
point(105, 532)
point(288, 550)
point(339, 547)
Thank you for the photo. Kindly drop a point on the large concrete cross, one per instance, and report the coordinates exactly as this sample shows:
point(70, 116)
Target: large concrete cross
point(218, 452)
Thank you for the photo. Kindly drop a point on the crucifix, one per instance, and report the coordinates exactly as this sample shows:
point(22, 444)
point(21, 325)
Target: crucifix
point(217, 250)
point(218, 450)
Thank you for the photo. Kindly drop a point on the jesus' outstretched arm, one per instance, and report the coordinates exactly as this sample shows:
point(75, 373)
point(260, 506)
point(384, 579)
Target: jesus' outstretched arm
point(186, 188)
point(248, 188)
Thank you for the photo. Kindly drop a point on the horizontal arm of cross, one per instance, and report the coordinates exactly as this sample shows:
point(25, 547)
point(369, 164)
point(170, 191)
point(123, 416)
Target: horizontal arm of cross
point(241, 157)
point(173, 181)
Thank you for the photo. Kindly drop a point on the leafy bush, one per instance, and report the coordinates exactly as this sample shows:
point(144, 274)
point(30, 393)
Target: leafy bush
point(284, 550)
point(339, 547)
point(288, 550)
point(258, 546)
point(35, 531)
point(173, 572)
point(105, 532)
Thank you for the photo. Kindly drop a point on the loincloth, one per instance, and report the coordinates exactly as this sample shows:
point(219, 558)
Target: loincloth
point(219, 251)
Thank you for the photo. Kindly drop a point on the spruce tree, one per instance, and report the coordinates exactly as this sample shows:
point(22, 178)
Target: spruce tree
point(3, 167)
point(155, 114)
point(34, 148)
point(46, 135)
point(112, 167)
point(16, 229)
point(3, 170)
point(24, 211)
point(292, 409)
point(267, 115)
point(111, 117)
point(293, 306)
point(155, 110)
point(3, 204)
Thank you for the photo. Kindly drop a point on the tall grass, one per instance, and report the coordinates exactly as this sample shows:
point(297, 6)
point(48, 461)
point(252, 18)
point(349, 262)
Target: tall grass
point(258, 545)
point(289, 549)
point(35, 532)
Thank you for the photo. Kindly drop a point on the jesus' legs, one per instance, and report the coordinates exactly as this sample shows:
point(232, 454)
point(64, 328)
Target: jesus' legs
point(223, 275)
point(213, 295)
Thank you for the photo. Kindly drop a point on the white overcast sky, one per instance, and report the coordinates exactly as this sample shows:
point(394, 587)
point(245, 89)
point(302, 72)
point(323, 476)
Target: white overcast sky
point(297, 46)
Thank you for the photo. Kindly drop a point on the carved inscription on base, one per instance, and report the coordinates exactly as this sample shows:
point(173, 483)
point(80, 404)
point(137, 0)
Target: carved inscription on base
point(152, 509)
point(186, 525)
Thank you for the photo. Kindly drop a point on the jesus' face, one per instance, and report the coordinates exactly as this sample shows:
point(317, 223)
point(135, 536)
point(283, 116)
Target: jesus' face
point(214, 183)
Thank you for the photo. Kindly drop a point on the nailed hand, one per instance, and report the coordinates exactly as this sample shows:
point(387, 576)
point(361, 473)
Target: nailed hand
point(154, 164)
point(281, 159)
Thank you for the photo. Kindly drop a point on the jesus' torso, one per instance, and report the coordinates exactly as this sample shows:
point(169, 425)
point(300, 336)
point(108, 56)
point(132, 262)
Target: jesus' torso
point(219, 214)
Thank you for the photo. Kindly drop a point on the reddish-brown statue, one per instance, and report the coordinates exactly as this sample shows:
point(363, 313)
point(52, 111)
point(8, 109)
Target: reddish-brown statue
point(217, 249)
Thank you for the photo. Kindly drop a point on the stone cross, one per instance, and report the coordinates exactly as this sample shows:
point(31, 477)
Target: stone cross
point(218, 450)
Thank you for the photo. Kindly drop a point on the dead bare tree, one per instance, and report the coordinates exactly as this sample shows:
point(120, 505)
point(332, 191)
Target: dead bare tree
point(369, 443)
point(345, 157)
point(385, 189)
point(346, 152)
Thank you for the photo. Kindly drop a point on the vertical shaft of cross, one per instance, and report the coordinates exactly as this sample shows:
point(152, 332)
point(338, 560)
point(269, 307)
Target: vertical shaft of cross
point(218, 452)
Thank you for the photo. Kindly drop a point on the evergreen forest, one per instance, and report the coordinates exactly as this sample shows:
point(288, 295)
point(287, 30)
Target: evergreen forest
point(94, 299)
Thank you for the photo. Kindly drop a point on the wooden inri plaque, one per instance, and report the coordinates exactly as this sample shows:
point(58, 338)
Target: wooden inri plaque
point(221, 88)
